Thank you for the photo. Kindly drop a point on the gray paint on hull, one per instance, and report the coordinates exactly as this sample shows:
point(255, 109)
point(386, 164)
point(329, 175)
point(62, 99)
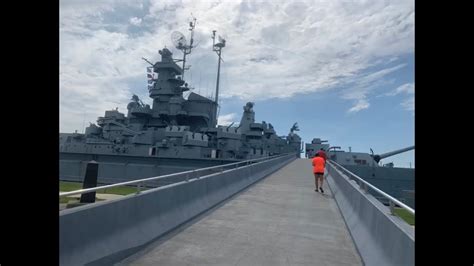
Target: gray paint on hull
point(115, 169)
point(394, 181)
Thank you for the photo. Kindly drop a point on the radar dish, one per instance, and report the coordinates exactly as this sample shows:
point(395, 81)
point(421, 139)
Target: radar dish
point(178, 40)
point(221, 42)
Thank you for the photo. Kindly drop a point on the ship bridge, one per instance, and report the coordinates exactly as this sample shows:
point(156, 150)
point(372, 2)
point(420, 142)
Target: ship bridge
point(256, 212)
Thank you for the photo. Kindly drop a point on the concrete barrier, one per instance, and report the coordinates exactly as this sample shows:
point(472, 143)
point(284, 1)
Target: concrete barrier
point(106, 232)
point(380, 238)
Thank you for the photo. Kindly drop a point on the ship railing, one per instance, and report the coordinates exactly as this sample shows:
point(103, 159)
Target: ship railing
point(191, 174)
point(364, 185)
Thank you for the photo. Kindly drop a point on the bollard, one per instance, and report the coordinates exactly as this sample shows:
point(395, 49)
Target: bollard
point(90, 180)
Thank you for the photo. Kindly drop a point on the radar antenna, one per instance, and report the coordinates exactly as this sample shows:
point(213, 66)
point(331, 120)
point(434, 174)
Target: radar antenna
point(179, 41)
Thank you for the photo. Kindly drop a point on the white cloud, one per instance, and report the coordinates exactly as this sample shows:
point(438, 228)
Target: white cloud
point(135, 21)
point(227, 119)
point(275, 49)
point(361, 86)
point(360, 105)
point(408, 88)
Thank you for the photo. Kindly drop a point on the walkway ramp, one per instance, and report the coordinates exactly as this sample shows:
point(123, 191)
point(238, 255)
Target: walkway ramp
point(280, 220)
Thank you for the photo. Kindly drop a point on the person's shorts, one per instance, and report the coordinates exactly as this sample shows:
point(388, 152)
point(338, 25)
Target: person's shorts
point(319, 173)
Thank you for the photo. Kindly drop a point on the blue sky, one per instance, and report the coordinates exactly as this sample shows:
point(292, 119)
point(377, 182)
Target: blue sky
point(342, 69)
point(384, 126)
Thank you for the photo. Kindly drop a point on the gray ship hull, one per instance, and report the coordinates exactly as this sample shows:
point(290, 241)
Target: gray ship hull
point(397, 182)
point(121, 168)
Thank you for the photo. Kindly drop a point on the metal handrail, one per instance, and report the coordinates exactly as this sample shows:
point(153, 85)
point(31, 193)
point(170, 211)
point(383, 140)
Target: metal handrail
point(391, 199)
point(139, 181)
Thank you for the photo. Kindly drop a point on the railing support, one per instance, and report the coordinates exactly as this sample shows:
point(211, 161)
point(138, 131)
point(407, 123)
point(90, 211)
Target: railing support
point(392, 207)
point(139, 187)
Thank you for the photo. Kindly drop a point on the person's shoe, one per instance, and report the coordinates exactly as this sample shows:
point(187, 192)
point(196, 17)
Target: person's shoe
point(321, 189)
point(316, 190)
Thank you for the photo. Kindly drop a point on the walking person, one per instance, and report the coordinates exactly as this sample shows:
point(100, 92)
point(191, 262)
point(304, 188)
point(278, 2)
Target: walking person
point(322, 153)
point(319, 165)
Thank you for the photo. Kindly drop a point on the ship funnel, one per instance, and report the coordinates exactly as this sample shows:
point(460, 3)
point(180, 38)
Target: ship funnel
point(379, 157)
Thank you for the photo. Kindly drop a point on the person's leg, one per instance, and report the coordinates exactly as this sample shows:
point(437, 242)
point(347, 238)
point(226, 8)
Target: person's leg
point(316, 181)
point(321, 178)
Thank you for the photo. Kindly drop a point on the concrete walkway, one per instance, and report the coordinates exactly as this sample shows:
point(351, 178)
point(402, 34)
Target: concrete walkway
point(280, 220)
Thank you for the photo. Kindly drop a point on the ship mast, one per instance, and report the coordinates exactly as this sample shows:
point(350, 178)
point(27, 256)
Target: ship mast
point(180, 43)
point(217, 47)
point(187, 48)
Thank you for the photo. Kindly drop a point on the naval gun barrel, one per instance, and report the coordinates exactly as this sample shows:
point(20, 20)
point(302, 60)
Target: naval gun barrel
point(379, 157)
point(334, 148)
point(125, 128)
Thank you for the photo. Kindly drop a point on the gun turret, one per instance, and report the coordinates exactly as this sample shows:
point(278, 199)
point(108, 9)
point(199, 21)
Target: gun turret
point(379, 157)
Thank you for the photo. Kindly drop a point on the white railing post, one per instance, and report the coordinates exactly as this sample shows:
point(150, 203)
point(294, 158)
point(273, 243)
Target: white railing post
point(139, 187)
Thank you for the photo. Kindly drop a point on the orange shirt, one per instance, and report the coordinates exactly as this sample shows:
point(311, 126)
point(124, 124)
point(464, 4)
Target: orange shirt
point(318, 164)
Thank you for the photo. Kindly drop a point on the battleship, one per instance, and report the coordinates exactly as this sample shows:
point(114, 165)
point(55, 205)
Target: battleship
point(396, 181)
point(174, 134)
point(177, 133)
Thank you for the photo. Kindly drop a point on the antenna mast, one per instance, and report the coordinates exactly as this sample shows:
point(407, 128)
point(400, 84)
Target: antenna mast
point(187, 48)
point(217, 47)
point(179, 42)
